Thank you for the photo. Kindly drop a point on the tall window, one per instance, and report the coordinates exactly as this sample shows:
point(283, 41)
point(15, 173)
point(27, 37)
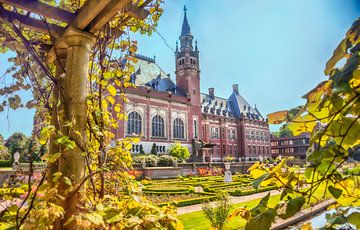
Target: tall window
point(134, 123)
point(178, 128)
point(158, 127)
point(195, 129)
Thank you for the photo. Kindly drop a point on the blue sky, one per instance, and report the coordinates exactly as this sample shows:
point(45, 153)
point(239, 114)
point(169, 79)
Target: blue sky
point(275, 50)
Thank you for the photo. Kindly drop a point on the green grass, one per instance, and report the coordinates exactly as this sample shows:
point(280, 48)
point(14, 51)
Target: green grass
point(198, 221)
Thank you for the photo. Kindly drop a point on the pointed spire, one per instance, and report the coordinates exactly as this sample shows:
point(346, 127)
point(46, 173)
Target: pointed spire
point(196, 48)
point(185, 26)
point(177, 47)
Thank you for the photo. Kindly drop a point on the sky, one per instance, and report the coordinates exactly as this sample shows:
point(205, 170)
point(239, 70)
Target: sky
point(276, 50)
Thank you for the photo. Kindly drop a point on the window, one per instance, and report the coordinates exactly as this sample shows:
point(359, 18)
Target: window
point(195, 129)
point(178, 129)
point(158, 127)
point(232, 134)
point(214, 132)
point(134, 123)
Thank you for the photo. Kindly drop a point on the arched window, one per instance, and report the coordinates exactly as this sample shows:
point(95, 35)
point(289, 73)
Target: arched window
point(178, 128)
point(158, 127)
point(134, 123)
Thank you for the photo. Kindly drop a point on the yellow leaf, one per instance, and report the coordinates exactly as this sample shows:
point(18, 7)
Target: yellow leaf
point(277, 117)
point(307, 226)
point(111, 90)
point(111, 99)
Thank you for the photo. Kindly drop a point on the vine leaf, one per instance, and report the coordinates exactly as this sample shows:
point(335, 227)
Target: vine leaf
point(335, 192)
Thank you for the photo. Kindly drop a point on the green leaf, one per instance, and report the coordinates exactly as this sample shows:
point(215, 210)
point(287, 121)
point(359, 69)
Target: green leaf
point(95, 218)
point(354, 218)
point(293, 206)
point(258, 180)
point(338, 54)
point(261, 221)
point(67, 181)
point(335, 192)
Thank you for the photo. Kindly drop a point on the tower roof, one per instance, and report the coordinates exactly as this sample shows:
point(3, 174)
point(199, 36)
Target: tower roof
point(185, 26)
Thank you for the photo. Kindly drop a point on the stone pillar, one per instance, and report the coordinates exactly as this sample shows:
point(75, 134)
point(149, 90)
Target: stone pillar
point(76, 84)
point(60, 64)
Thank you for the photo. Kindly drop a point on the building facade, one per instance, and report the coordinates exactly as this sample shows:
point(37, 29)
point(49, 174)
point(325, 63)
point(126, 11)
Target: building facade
point(163, 112)
point(290, 146)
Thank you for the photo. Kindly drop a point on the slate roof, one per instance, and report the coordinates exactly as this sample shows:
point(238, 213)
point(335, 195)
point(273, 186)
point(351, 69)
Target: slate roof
point(235, 106)
point(148, 73)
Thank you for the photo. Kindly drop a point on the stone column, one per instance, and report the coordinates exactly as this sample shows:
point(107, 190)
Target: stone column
point(60, 64)
point(76, 84)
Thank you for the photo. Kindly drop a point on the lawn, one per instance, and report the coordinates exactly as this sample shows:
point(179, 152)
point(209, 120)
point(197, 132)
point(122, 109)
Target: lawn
point(197, 220)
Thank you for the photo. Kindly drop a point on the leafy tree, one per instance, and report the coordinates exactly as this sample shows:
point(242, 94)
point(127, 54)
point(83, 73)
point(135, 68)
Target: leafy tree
point(332, 115)
point(17, 143)
point(4, 152)
point(285, 132)
point(179, 151)
point(153, 149)
point(219, 213)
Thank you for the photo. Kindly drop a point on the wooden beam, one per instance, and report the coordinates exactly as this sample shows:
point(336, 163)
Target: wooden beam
point(32, 23)
point(88, 12)
point(43, 9)
point(107, 14)
point(137, 12)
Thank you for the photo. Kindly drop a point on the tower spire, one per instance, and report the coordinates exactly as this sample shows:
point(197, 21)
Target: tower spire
point(185, 26)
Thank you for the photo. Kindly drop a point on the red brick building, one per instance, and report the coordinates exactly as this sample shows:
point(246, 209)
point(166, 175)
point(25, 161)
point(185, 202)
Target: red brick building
point(163, 112)
point(290, 146)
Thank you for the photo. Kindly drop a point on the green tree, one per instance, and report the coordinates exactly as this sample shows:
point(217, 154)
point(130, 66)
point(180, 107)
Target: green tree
point(218, 214)
point(179, 151)
point(17, 143)
point(153, 149)
point(285, 132)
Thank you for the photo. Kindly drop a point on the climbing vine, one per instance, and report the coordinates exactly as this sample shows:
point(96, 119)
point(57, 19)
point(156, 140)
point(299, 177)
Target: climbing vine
point(332, 115)
point(108, 197)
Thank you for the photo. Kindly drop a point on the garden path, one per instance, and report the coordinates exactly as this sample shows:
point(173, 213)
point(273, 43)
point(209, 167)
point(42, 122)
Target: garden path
point(233, 199)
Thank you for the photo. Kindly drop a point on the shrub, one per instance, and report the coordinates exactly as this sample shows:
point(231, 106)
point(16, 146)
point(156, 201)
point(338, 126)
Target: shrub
point(168, 188)
point(5, 163)
point(137, 174)
point(150, 160)
point(153, 149)
point(179, 151)
point(219, 213)
point(166, 160)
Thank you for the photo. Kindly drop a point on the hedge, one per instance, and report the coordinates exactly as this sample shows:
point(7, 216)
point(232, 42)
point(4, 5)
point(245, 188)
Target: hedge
point(189, 201)
point(251, 191)
point(179, 189)
point(4, 164)
point(166, 193)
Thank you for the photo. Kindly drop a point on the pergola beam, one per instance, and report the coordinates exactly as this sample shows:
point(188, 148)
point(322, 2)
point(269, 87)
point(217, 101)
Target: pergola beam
point(107, 14)
point(137, 12)
point(33, 23)
point(43, 9)
point(88, 12)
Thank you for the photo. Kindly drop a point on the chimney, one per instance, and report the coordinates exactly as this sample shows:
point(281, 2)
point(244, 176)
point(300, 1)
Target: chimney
point(211, 92)
point(236, 89)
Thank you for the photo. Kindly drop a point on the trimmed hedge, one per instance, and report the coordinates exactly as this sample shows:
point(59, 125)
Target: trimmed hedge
point(180, 188)
point(5, 164)
point(251, 191)
point(189, 201)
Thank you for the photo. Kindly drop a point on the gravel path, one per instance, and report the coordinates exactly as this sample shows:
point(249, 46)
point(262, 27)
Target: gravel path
point(234, 200)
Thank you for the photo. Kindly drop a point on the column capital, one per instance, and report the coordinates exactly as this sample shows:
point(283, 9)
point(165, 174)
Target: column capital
point(75, 37)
